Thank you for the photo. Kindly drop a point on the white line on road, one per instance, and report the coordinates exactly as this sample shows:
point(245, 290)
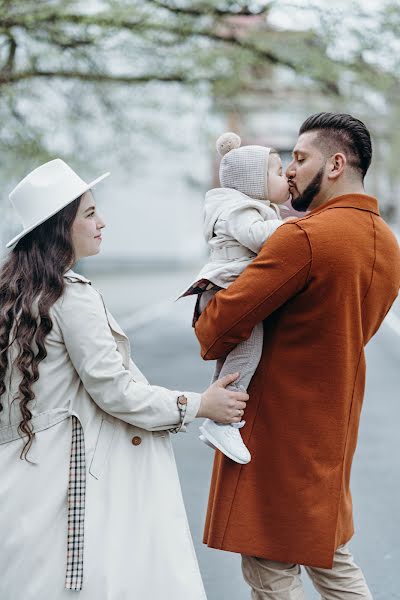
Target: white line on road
point(145, 315)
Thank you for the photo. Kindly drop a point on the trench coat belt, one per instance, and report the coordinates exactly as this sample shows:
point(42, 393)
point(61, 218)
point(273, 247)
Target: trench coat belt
point(9, 433)
point(231, 252)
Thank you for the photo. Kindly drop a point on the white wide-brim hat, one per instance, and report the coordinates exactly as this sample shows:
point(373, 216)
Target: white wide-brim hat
point(44, 192)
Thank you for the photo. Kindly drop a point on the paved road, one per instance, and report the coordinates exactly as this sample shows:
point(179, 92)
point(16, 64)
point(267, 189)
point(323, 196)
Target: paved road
point(167, 352)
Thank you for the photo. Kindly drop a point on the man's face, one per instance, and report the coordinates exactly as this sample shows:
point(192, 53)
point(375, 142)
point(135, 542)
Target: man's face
point(306, 172)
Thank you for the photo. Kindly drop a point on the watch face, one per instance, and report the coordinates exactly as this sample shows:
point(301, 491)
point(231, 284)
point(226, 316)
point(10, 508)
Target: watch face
point(182, 399)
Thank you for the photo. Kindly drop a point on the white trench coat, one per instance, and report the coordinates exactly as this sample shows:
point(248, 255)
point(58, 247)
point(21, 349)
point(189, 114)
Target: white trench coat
point(137, 542)
point(235, 228)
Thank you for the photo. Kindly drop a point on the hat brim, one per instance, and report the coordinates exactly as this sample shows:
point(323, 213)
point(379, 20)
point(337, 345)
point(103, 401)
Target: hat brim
point(90, 185)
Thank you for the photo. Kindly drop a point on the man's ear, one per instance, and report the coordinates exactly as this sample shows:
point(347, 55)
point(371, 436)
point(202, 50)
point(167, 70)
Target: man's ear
point(336, 165)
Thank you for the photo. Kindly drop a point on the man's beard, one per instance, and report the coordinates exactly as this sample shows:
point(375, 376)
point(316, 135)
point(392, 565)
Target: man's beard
point(303, 201)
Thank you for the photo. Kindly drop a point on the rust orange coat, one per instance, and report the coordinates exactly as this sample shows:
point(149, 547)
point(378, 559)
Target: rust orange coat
point(322, 285)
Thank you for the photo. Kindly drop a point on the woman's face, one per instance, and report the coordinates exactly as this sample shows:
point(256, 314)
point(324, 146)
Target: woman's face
point(86, 228)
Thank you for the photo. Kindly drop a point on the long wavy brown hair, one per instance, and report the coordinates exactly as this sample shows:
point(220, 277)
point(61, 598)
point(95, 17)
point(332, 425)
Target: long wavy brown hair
point(31, 281)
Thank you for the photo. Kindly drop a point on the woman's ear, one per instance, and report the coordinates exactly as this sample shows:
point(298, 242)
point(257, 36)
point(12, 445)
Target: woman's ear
point(336, 165)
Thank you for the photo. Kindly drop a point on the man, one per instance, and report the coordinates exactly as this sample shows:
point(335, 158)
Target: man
point(322, 285)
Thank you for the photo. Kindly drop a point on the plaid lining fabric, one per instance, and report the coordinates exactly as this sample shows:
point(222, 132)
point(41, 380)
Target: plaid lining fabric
point(182, 406)
point(203, 285)
point(76, 508)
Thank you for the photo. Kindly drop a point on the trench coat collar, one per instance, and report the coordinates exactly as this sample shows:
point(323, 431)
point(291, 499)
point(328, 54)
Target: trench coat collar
point(72, 276)
point(358, 201)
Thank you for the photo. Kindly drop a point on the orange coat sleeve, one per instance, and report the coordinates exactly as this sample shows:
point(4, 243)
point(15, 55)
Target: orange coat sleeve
point(277, 274)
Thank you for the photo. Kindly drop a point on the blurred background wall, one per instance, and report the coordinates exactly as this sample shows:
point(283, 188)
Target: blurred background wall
point(144, 87)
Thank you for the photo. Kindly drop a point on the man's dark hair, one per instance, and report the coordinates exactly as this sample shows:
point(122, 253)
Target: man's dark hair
point(339, 132)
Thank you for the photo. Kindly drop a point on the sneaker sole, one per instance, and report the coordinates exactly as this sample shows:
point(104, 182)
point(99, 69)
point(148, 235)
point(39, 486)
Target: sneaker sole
point(206, 442)
point(217, 445)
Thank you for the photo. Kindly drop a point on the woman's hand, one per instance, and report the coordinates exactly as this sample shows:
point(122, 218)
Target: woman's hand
point(221, 405)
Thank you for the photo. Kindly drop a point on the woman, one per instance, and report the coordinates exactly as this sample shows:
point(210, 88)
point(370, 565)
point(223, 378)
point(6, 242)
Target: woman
point(90, 498)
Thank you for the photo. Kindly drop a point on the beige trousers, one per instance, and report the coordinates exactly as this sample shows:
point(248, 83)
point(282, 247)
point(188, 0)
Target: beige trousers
point(282, 581)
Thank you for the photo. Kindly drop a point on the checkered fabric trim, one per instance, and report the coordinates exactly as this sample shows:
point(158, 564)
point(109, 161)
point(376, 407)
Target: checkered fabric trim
point(199, 290)
point(200, 286)
point(76, 508)
point(182, 407)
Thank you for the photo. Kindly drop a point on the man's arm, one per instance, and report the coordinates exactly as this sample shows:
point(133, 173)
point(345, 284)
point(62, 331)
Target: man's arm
point(277, 274)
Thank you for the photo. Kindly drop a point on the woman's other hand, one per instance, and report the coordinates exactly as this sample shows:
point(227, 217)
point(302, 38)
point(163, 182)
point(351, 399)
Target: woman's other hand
point(221, 405)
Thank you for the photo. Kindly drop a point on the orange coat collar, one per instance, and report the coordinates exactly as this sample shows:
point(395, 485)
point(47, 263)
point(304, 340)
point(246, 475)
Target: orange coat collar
point(359, 201)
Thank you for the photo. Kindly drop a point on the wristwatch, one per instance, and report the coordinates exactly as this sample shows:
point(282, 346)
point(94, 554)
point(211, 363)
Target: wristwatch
point(182, 406)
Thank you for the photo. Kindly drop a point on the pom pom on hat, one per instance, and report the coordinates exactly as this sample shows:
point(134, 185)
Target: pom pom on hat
point(227, 142)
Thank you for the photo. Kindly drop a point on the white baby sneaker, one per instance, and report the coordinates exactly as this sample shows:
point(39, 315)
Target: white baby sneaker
point(206, 441)
point(227, 439)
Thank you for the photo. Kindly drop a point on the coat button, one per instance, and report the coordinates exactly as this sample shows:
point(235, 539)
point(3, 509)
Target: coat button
point(136, 440)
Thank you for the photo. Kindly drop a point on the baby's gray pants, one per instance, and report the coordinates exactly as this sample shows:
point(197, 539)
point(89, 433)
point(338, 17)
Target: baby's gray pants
point(244, 358)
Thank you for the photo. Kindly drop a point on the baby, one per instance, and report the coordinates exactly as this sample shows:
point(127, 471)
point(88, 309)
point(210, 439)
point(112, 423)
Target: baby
point(238, 218)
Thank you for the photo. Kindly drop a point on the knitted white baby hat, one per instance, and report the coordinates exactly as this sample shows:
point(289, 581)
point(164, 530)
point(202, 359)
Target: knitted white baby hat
point(243, 168)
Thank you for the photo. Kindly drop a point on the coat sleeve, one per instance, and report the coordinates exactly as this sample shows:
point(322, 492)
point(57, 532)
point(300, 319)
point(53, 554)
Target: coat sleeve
point(277, 274)
point(93, 352)
point(249, 228)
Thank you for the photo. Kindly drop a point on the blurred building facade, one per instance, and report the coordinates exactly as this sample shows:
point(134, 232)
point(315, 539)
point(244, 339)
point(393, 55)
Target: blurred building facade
point(153, 211)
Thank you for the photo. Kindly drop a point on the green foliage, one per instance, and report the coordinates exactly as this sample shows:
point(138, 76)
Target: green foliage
point(64, 68)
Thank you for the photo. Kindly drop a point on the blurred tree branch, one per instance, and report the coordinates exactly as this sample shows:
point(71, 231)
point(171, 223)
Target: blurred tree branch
point(61, 29)
point(92, 77)
point(200, 11)
point(61, 48)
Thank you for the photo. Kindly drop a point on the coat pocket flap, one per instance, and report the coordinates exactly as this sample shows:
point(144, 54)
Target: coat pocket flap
point(102, 450)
